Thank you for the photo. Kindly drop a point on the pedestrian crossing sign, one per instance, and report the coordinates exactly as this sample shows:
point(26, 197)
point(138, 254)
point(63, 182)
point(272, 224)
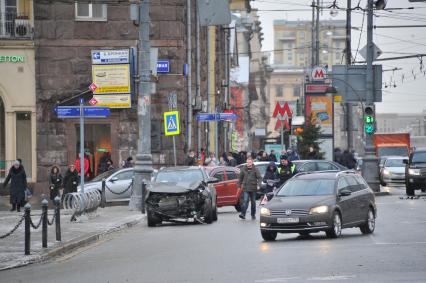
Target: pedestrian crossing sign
point(171, 123)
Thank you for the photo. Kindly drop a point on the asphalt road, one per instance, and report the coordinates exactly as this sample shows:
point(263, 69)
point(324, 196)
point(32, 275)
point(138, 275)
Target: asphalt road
point(232, 250)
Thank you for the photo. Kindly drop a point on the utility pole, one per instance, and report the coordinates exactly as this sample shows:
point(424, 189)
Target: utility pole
point(369, 166)
point(317, 36)
point(349, 116)
point(198, 73)
point(143, 164)
point(189, 73)
point(208, 87)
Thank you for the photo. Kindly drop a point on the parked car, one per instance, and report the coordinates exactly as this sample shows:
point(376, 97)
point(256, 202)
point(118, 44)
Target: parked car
point(393, 170)
point(227, 189)
point(415, 171)
point(118, 184)
point(319, 201)
point(181, 194)
point(317, 165)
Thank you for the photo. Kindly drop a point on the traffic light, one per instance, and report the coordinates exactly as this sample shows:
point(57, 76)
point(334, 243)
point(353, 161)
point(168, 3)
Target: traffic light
point(369, 120)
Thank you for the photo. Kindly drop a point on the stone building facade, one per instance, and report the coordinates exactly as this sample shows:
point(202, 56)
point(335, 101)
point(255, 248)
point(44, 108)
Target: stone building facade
point(64, 41)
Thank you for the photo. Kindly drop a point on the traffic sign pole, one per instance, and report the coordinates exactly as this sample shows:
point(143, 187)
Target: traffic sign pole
point(82, 145)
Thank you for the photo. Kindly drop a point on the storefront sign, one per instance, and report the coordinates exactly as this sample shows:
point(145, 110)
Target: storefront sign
point(11, 59)
point(113, 101)
point(111, 78)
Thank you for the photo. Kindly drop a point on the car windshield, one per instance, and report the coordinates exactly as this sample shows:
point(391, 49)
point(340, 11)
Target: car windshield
point(104, 175)
point(179, 176)
point(419, 157)
point(307, 187)
point(399, 151)
point(394, 163)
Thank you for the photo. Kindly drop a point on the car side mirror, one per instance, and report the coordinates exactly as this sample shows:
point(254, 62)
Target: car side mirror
point(113, 179)
point(212, 180)
point(405, 161)
point(345, 193)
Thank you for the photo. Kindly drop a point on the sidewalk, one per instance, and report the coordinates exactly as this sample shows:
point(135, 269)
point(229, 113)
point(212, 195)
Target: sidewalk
point(74, 234)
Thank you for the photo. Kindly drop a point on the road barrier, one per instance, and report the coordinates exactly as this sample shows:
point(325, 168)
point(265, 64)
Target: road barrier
point(43, 221)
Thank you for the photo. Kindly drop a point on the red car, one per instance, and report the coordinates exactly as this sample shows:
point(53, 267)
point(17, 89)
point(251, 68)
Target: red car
point(227, 189)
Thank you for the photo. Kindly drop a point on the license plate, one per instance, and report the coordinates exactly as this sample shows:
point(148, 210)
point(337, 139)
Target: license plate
point(288, 220)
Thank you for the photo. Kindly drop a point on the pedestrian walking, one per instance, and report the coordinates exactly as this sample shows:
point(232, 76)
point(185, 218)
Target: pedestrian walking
point(348, 159)
point(110, 164)
point(272, 156)
point(190, 159)
point(55, 182)
point(85, 166)
point(292, 155)
point(18, 185)
point(231, 160)
point(271, 177)
point(285, 170)
point(70, 181)
point(128, 163)
point(249, 180)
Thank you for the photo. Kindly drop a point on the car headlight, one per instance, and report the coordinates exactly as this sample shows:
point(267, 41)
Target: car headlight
point(265, 211)
point(386, 172)
point(319, 209)
point(414, 172)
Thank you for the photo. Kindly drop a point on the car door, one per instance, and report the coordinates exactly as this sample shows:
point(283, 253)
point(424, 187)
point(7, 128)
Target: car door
point(344, 202)
point(358, 206)
point(118, 186)
point(220, 186)
point(233, 188)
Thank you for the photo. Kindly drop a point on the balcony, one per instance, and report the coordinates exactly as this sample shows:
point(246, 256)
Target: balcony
point(15, 26)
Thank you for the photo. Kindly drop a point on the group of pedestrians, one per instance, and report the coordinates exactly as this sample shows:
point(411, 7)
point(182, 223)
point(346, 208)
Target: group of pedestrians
point(345, 158)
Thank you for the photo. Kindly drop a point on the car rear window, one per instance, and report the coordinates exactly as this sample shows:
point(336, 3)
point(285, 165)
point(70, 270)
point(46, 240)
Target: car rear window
point(307, 187)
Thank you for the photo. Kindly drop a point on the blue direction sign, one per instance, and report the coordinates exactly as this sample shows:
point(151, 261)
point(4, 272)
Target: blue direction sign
point(208, 117)
point(89, 112)
point(163, 66)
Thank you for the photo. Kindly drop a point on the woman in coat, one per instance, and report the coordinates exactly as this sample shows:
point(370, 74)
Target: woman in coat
point(55, 182)
point(70, 180)
point(18, 185)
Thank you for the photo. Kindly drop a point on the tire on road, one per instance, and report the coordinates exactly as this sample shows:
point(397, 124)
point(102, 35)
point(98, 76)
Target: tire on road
point(207, 211)
point(409, 190)
point(336, 229)
point(268, 235)
point(152, 219)
point(214, 213)
point(370, 223)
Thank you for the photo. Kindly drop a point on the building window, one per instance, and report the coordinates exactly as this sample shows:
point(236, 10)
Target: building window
point(279, 91)
point(90, 12)
point(23, 140)
point(296, 91)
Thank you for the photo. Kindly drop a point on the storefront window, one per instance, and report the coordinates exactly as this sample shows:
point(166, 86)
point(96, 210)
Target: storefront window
point(23, 141)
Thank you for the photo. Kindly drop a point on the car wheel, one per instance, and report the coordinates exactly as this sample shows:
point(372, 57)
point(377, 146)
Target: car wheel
point(423, 190)
point(207, 211)
point(269, 235)
point(214, 211)
point(152, 219)
point(370, 224)
point(383, 183)
point(336, 229)
point(409, 190)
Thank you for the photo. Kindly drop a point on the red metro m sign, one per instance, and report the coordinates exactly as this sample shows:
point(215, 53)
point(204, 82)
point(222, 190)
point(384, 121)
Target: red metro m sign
point(282, 112)
point(318, 74)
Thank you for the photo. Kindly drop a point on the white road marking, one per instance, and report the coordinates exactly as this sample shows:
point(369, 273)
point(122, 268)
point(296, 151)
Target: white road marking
point(332, 278)
point(283, 279)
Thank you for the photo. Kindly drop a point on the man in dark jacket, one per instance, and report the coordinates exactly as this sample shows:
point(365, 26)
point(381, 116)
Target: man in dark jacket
point(70, 181)
point(286, 170)
point(18, 185)
point(231, 160)
point(271, 177)
point(272, 156)
point(250, 179)
point(190, 159)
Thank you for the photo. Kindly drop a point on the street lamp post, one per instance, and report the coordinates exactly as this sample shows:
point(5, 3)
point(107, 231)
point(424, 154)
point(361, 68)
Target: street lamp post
point(143, 164)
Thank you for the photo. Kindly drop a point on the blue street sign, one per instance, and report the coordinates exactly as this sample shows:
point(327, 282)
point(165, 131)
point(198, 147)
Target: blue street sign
point(111, 56)
point(208, 117)
point(163, 66)
point(89, 112)
point(227, 116)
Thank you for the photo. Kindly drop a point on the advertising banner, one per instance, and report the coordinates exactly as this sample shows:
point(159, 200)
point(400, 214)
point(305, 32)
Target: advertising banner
point(319, 111)
point(114, 100)
point(111, 79)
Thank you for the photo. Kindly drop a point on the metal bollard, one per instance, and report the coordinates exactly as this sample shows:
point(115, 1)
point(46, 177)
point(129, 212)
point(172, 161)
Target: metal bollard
point(27, 228)
point(57, 201)
point(44, 204)
point(103, 198)
point(143, 196)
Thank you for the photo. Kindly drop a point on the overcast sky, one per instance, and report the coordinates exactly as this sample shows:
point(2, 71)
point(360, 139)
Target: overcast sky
point(407, 91)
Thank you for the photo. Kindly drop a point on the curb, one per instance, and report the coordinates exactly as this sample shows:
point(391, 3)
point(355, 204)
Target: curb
point(79, 242)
